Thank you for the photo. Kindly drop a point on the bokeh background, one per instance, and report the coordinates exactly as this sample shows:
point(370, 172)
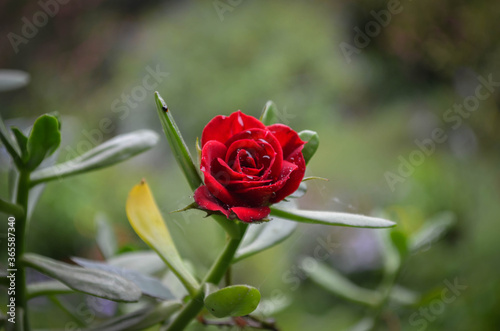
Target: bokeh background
point(368, 106)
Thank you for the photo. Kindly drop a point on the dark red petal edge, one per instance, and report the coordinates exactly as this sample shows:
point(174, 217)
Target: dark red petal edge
point(207, 201)
point(294, 180)
point(288, 138)
point(210, 154)
point(249, 214)
point(221, 128)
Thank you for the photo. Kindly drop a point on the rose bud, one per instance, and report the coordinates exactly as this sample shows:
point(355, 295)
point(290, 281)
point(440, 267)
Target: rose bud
point(248, 166)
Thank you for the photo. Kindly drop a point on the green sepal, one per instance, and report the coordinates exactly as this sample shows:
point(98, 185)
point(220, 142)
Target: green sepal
point(312, 143)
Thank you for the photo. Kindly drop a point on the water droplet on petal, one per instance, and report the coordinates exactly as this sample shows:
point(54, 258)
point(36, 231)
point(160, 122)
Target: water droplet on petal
point(240, 120)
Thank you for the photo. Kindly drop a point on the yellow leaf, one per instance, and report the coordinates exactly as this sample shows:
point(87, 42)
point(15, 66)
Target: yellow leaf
point(145, 217)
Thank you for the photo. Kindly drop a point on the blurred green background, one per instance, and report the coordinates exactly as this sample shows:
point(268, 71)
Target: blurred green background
point(368, 108)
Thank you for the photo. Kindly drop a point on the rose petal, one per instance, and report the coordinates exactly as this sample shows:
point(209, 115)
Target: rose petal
point(221, 128)
point(252, 171)
point(293, 182)
point(262, 137)
point(260, 150)
point(207, 201)
point(243, 184)
point(216, 180)
point(288, 138)
point(249, 215)
point(247, 159)
point(261, 195)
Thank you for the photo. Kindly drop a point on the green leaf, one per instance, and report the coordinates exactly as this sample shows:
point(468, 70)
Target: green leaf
point(50, 287)
point(312, 143)
point(145, 262)
point(269, 114)
point(94, 282)
point(22, 142)
point(177, 144)
point(336, 283)
point(13, 79)
point(105, 237)
point(432, 231)
point(146, 219)
point(331, 218)
point(149, 286)
point(262, 236)
point(10, 144)
point(43, 140)
point(140, 319)
point(115, 150)
point(236, 300)
point(399, 241)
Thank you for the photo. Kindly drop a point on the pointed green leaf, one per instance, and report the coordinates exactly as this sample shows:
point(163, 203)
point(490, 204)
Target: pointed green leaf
point(141, 319)
point(149, 286)
point(105, 237)
point(115, 150)
point(145, 262)
point(269, 114)
point(432, 231)
point(10, 144)
point(44, 139)
point(312, 143)
point(262, 236)
point(50, 287)
point(22, 142)
point(236, 300)
point(146, 219)
point(331, 218)
point(94, 282)
point(336, 283)
point(13, 79)
point(177, 143)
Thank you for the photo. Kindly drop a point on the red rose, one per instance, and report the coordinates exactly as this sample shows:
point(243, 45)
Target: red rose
point(248, 166)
